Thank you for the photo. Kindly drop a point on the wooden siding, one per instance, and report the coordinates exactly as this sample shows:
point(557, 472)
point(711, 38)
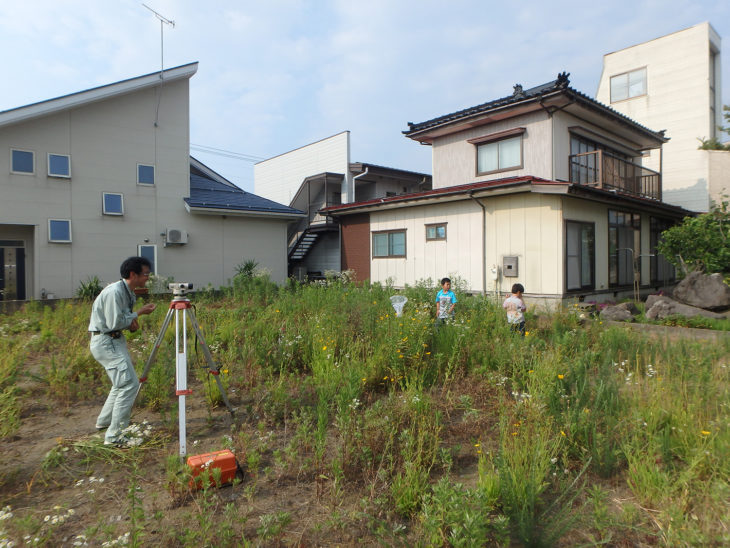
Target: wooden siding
point(355, 233)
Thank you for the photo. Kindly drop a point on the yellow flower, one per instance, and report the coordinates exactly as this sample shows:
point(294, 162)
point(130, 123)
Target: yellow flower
point(561, 376)
point(586, 410)
point(428, 353)
point(277, 310)
point(324, 347)
point(385, 378)
point(405, 338)
point(527, 333)
point(476, 445)
point(563, 434)
point(375, 302)
point(531, 371)
point(225, 371)
point(705, 432)
point(514, 433)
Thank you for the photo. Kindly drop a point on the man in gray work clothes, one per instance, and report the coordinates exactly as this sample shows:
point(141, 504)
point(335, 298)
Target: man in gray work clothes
point(110, 314)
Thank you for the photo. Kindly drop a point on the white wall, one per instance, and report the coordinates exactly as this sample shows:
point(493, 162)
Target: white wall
point(678, 100)
point(280, 177)
point(454, 159)
point(524, 225)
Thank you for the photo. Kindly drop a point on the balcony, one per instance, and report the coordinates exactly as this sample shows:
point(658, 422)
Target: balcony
point(601, 169)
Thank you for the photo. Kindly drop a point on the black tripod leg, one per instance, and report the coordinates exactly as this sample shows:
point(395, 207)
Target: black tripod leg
point(213, 369)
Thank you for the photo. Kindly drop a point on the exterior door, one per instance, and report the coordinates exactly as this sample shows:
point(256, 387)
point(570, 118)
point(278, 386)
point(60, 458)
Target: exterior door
point(12, 273)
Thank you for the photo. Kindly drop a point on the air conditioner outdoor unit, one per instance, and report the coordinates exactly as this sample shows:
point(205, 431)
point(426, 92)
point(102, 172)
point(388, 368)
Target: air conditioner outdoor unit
point(176, 236)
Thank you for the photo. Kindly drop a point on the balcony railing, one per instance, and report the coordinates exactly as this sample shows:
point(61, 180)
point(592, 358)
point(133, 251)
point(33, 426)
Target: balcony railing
point(601, 169)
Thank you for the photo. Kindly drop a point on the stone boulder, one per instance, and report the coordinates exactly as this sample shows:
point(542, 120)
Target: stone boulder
point(619, 313)
point(663, 307)
point(703, 291)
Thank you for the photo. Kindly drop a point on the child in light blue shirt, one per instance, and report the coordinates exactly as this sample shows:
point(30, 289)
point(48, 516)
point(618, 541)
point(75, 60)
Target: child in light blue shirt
point(445, 302)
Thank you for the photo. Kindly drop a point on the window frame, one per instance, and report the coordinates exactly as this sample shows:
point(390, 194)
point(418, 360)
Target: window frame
point(50, 232)
point(388, 233)
point(436, 226)
point(615, 259)
point(153, 270)
point(627, 74)
point(58, 175)
point(103, 204)
point(592, 285)
point(12, 162)
point(496, 139)
point(154, 174)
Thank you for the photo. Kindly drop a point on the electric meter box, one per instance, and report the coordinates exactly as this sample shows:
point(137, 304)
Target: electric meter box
point(509, 267)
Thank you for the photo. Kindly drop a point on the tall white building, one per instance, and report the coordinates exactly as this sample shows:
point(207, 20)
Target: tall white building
point(674, 83)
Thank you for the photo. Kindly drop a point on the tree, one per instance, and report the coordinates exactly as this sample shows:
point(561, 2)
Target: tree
point(701, 242)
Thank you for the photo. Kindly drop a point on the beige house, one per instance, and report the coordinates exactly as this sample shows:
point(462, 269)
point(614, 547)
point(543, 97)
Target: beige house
point(674, 83)
point(93, 177)
point(544, 187)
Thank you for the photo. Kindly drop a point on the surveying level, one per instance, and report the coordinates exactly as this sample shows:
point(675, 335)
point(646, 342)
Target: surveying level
point(181, 303)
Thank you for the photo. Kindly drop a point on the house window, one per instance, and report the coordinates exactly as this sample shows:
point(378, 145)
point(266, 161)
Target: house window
point(661, 271)
point(436, 232)
point(499, 155)
point(579, 256)
point(22, 161)
point(59, 165)
point(112, 203)
point(149, 252)
point(389, 244)
point(145, 174)
point(628, 85)
point(59, 231)
point(624, 246)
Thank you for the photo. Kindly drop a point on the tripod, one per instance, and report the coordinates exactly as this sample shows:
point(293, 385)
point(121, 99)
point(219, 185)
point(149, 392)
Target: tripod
point(181, 303)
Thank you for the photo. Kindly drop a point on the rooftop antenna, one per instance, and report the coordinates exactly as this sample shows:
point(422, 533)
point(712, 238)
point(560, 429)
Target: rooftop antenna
point(166, 21)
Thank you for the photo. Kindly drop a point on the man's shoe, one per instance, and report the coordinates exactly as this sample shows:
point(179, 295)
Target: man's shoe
point(119, 443)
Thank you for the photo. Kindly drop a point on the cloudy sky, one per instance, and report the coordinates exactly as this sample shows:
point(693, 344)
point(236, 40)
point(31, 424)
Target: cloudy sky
point(278, 74)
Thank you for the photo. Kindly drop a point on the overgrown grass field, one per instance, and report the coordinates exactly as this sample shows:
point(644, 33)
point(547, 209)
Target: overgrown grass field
point(355, 426)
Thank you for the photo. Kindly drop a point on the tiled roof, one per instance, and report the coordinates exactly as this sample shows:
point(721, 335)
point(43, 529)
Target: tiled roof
point(209, 194)
point(559, 85)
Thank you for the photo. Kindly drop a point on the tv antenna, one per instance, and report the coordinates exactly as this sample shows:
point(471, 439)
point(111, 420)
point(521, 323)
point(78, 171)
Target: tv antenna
point(166, 21)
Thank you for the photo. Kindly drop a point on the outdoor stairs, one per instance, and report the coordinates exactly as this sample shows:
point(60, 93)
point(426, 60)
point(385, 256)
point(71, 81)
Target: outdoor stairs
point(305, 242)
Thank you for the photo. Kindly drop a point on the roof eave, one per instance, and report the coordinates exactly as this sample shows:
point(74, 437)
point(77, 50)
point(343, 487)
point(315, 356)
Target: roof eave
point(93, 95)
point(199, 210)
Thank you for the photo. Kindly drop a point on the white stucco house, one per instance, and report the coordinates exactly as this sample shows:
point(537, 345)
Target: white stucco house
point(674, 83)
point(93, 177)
point(544, 187)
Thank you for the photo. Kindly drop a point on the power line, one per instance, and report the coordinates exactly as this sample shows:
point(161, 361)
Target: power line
point(226, 153)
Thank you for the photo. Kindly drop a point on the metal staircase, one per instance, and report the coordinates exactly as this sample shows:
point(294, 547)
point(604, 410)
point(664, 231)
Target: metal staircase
point(302, 245)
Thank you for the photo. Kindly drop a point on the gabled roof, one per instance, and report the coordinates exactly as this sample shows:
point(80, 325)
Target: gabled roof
point(92, 95)
point(215, 197)
point(508, 185)
point(536, 98)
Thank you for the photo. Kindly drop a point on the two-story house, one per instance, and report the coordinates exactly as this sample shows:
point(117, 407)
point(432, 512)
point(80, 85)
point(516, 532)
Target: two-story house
point(544, 187)
point(96, 176)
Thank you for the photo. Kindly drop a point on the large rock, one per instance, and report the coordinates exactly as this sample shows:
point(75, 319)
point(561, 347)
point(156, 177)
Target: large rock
point(619, 313)
point(703, 291)
point(663, 307)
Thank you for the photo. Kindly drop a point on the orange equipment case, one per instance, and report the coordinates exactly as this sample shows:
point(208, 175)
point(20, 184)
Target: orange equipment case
point(204, 464)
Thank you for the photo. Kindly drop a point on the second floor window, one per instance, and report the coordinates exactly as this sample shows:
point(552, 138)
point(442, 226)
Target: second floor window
point(499, 155)
point(628, 85)
point(59, 165)
point(145, 174)
point(22, 161)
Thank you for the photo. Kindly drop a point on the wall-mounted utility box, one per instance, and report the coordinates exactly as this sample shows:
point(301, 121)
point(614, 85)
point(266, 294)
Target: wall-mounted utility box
point(509, 267)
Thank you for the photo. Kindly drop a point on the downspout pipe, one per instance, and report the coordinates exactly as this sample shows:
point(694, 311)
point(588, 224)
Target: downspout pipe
point(484, 242)
point(355, 178)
